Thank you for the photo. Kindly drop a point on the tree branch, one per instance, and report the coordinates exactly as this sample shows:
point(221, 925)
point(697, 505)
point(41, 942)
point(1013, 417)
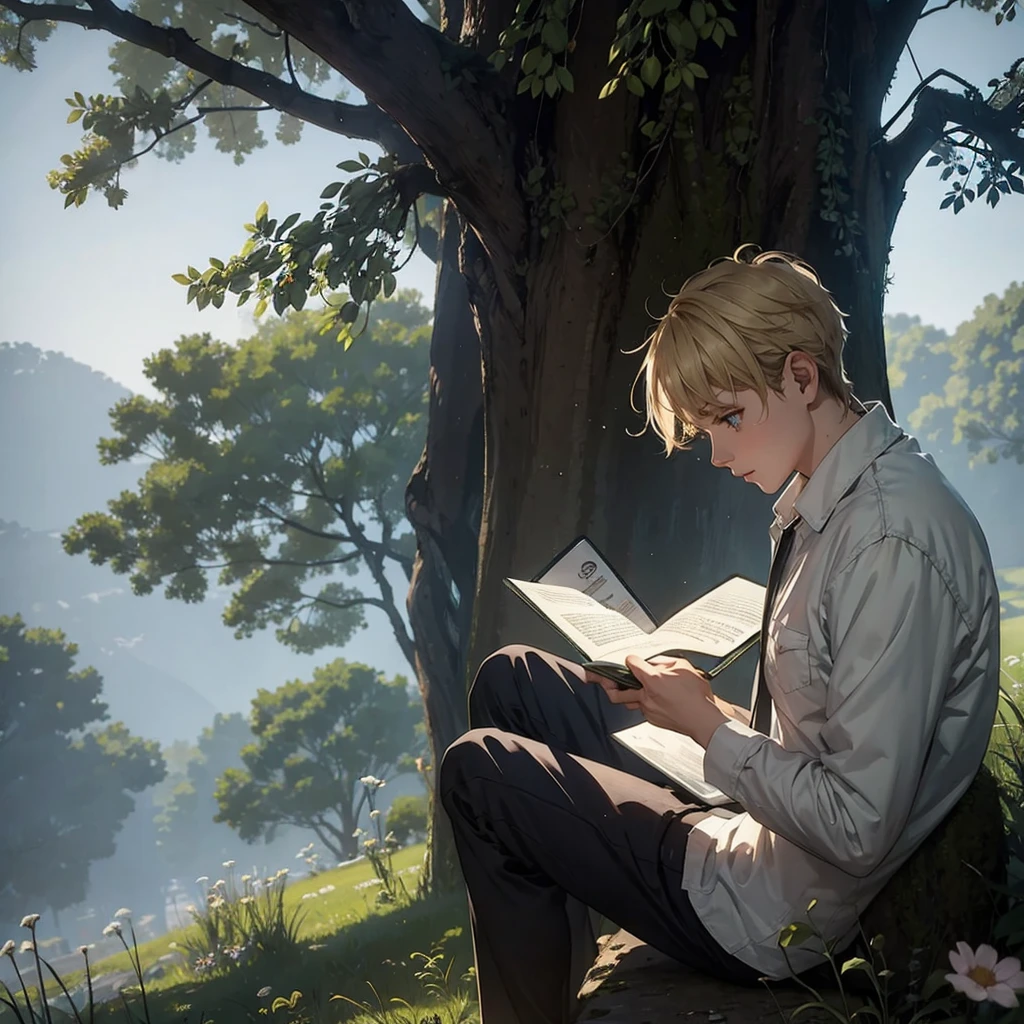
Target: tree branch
point(895, 22)
point(366, 121)
point(941, 7)
point(395, 60)
point(934, 109)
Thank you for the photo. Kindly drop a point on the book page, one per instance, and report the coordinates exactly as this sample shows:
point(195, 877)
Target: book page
point(583, 569)
point(714, 624)
point(679, 757)
point(585, 622)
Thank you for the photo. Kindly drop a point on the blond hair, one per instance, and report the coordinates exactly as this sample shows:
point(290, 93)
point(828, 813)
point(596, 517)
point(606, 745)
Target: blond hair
point(730, 328)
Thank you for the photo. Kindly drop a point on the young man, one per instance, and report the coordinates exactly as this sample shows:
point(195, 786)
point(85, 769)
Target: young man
point(880, 656)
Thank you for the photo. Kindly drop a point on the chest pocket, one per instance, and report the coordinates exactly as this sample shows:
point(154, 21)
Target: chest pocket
point(787, 659)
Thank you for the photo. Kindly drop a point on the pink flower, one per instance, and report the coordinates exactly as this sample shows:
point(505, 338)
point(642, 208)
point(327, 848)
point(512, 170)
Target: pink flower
point(982, 975)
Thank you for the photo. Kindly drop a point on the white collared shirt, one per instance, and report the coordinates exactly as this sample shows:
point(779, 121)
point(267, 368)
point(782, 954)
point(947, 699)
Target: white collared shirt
point(882, 660)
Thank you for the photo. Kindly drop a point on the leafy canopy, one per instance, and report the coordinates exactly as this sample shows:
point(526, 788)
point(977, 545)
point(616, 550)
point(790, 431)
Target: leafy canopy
point(270, 461)
point(65, 783)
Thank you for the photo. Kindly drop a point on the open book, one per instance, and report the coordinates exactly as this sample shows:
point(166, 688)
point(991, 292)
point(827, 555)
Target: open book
point(591, 606)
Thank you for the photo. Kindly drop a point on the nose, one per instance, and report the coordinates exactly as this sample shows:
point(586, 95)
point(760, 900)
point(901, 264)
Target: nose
point(720, 455)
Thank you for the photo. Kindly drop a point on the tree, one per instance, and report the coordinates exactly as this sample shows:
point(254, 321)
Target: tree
point(269, 459)
point(66, 785)
point(981, 401)
point(189, 839)
point(407, 817)
point(589, 157)
point(314, 742)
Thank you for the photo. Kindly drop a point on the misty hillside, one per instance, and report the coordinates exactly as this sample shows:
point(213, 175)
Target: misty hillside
point(167, 664)
point(53, 410)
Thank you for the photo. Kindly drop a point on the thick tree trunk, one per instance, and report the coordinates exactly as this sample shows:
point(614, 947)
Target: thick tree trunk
point(558, 459)
point(443, 503)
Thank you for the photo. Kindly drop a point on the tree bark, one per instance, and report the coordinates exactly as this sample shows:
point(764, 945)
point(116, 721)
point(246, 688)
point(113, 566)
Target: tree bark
point(443, 504)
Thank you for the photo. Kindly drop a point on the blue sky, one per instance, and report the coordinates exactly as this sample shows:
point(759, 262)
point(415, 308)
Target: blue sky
point(95, 283)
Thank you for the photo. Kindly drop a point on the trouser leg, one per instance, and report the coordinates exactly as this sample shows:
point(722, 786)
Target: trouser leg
point(545, 827)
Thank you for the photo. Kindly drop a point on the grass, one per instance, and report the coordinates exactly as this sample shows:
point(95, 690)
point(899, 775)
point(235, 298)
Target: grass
point(322, 916)
point(365, 951)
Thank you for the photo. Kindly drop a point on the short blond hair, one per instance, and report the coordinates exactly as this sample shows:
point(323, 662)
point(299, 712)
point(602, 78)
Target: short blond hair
point(730, 328)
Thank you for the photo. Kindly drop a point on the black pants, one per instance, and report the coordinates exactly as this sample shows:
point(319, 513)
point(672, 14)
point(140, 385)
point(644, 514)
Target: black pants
point(551, 817)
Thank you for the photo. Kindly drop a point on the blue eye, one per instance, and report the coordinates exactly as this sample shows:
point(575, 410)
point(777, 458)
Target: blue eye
point(732, 419)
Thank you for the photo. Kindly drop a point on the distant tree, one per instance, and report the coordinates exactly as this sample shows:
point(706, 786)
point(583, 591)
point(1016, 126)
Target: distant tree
point(984, 393)
point(966, 388)
point(270, 458)
point(314, 742)
point(407, 817)
point(66, 785)
point(190, 841)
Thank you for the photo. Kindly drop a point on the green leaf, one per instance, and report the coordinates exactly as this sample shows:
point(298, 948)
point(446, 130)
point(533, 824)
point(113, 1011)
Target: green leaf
point(551, 85)
point(651, 7)
point(389, 285)
point(350, 165)
point(74, 115)
point(650, 70)
point(697, 14)
point(564, 77)
point(531, 59)
point(214, 262)
point(79, 99)
point(261, 308)
point(634, 85)
point(608, 88)
point(336, 186)
point(193, 274)
point(697, 70)
point(261, 212)
point(855, 963)
point(364, 159)
point(672, 79)
point(181, 278)
point(349, 312)
point(554, 36)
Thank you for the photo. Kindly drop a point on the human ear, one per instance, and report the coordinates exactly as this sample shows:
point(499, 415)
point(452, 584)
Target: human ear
point(804, 372)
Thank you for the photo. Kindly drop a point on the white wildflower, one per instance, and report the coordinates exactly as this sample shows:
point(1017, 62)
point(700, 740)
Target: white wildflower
point(29, 920)
point(27, 946)
point(114, 928)
point(7, 948)
point(123, 912)
point(374, 814)
point(201, 879)
point(228, 864)
point(982, 976)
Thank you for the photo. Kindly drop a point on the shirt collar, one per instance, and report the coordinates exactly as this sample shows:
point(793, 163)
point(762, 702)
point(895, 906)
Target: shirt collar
point(815, 498)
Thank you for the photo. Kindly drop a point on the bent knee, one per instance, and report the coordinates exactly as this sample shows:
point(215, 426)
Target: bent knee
point(494, 683)
point(469, 749)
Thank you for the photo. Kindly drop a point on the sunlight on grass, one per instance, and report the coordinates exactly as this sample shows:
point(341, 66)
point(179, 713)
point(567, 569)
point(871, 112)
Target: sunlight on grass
point(322, 916)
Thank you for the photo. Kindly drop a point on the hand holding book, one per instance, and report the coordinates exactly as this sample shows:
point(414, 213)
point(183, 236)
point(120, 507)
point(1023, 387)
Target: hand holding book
point(595, 611)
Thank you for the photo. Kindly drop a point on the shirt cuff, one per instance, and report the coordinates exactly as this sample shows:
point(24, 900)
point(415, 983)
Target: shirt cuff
point(731, 745)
